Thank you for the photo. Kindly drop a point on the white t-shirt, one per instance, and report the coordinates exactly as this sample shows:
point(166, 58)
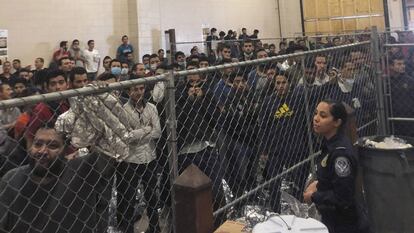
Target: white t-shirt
point(93, 58)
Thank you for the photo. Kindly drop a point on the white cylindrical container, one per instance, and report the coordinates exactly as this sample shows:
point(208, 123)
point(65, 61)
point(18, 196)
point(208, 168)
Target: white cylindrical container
point(290, 224)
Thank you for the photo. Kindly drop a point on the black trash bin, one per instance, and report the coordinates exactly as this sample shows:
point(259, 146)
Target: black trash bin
point(389, 186)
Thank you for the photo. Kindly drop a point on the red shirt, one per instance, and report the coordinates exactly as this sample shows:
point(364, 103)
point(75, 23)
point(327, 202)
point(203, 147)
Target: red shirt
point(44, 113)
point(57, 54)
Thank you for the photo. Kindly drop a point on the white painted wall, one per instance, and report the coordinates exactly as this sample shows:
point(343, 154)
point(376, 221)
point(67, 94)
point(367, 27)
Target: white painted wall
point(37, 27)
point(395, 13)
point(290, 16)
point(188, 17)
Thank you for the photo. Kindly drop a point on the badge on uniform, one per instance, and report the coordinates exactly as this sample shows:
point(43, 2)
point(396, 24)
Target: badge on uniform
point(342, 167)
point(324, 161)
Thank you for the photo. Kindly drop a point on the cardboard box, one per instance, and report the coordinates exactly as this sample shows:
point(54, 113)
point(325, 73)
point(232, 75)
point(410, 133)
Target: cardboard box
point(231, 227)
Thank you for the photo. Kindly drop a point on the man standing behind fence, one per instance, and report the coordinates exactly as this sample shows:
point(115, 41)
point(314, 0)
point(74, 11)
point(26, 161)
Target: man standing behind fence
point(48, 112)
point(50, 194)
point(283, 122)
point(197, 116)
point(402, 90)
point(141, 164)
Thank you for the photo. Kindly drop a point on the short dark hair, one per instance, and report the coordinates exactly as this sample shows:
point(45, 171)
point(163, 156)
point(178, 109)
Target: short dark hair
point(256, 31)
point(63, 43)
point(394, 58)
point(203, 58)
point(248, 41)
point(3, 82)
point(193, 63)
point(154, 55)
point(159, 50)
point(76, 71)
point(179, 53)
point(124, 36)
point(193, 49)
point(222, 33)
point(19, 80)
point(213, 30)
point(321, 55)
point(90, 41)
point(260, 50)
point(292, 49)
point(61, 60)
point(106, 76)
point(41, 59)
point(234, 75)
point(114, 60)
point(135, 66)
point(75, 40)
point(50, 125)
point(17, 60)
point(146, 55)
point(224, 46)
point(24, 70)
point(244, 29)
point(225, 61)
point(53, 74)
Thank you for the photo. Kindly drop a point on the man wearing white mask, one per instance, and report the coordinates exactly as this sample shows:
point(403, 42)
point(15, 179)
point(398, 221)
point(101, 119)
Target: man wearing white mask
point(154, 63)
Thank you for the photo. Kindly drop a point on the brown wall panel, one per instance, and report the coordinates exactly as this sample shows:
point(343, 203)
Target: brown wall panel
point(335, 8)
point(327, 13)
point(309, 8)
point(377, 6)
point(348, 7)
point(311, 27)
point(362, 7)
point(323, 8)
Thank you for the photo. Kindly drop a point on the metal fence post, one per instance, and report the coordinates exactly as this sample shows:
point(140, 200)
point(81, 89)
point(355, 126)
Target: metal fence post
point(381, 114)
point(172, 136)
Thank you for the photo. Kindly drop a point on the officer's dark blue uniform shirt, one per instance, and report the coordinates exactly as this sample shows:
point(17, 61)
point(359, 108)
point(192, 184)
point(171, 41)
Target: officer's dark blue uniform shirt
point(336, 173)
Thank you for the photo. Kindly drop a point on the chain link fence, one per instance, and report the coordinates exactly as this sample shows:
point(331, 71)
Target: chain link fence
point(398, 66)
point(102, 158)
point(216, 50)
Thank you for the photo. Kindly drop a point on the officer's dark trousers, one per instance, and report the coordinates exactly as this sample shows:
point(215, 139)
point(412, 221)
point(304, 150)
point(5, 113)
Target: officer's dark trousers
point(337, 223)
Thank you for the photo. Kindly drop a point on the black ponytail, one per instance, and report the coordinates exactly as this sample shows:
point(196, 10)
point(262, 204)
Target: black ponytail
point(337, 110)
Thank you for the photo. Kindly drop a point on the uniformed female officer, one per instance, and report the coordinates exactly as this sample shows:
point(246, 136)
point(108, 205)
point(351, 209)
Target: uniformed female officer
point(333, 191)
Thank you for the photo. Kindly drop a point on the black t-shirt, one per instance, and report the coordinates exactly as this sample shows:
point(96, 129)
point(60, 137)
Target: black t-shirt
point(64, 204)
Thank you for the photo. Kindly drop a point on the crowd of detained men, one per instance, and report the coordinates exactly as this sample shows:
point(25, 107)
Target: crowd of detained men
point(227, 121)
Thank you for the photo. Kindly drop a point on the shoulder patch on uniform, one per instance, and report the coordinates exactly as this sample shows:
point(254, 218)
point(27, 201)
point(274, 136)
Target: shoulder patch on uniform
point(342, 167)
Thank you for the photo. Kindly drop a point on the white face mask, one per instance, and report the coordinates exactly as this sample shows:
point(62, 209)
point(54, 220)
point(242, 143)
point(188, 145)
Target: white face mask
point(350, 81)
point(153, 67)
point(124, 71)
